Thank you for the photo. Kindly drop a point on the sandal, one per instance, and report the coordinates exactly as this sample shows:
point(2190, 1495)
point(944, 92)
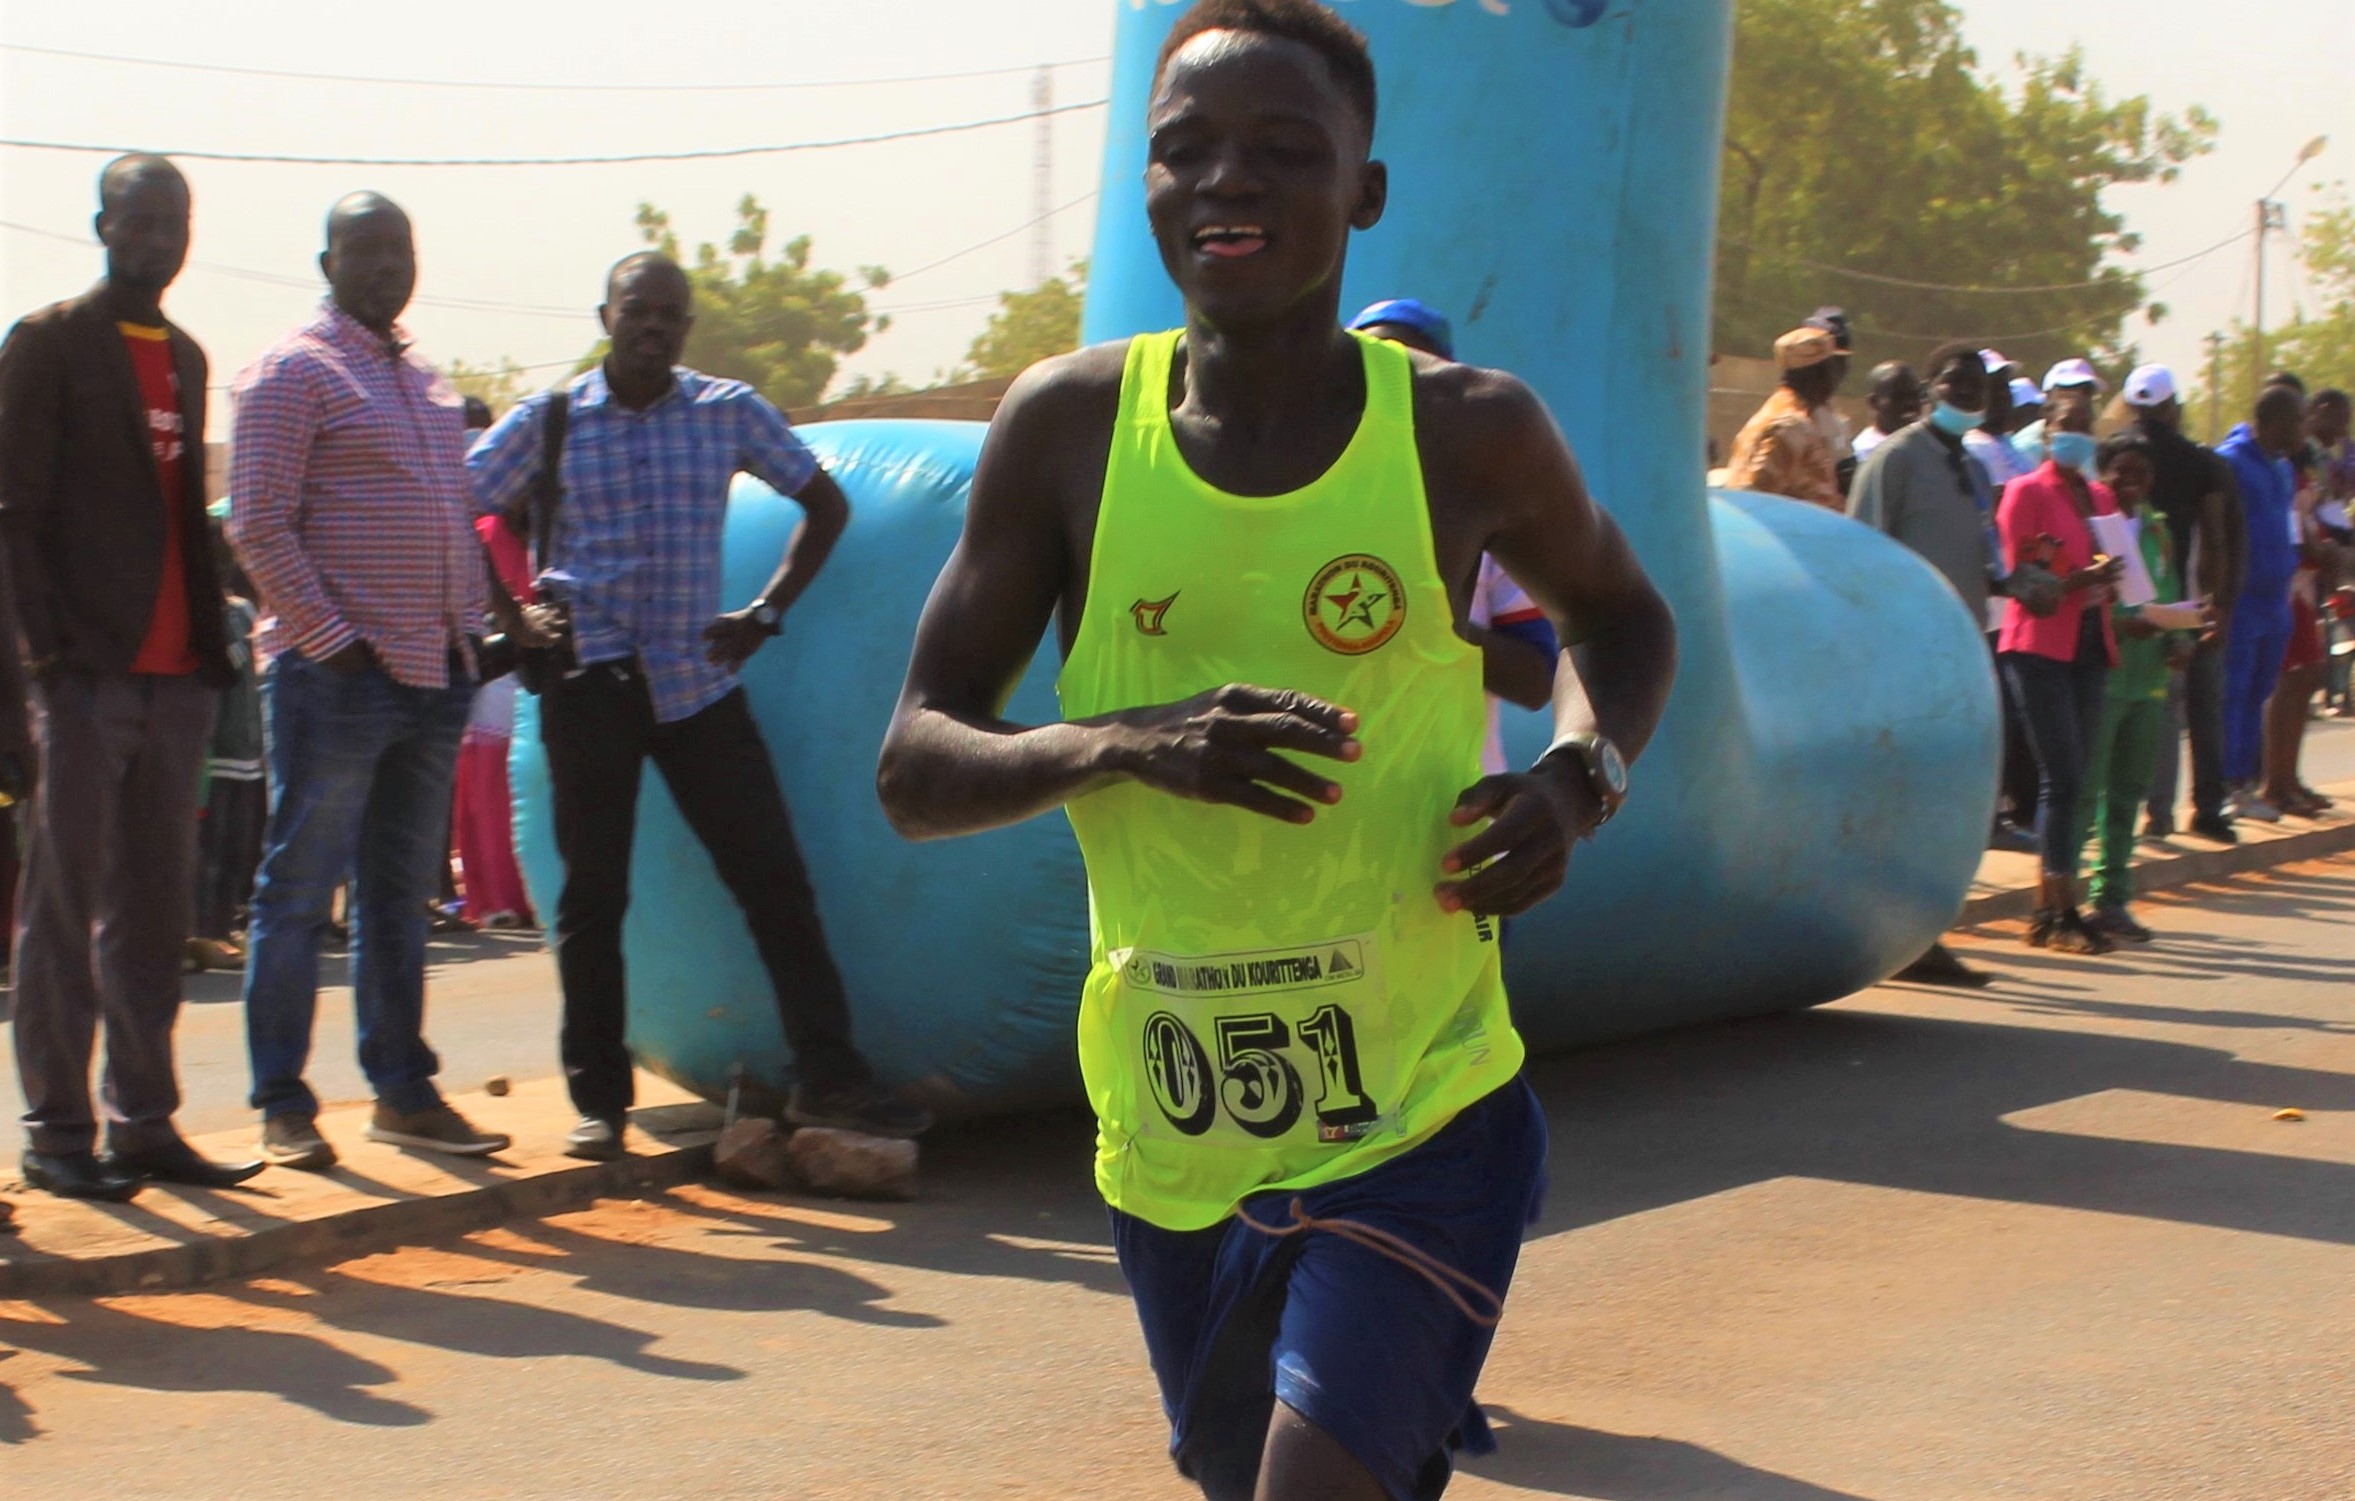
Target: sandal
point(2072, 935)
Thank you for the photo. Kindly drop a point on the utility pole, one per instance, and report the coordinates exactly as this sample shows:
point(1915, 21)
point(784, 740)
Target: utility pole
point(2272, 216)
point(2215, 383)
point(1042, 179)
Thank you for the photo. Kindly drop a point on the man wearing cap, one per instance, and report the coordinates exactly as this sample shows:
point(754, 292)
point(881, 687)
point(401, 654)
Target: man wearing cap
point(1834, 321)
point(1991, 442)
point(2072, 381)
point(1781, 449)
point(2193, 494)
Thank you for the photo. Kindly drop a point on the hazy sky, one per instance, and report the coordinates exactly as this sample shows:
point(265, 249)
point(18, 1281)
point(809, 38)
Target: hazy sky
point(2275, 72)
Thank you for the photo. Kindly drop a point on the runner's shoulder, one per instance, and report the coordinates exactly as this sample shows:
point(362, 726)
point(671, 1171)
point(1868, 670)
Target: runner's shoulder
point(1475, 417)
point(1065, 396)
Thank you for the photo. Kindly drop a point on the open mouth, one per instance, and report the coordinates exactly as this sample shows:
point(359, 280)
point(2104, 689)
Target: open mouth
point(1230, 241)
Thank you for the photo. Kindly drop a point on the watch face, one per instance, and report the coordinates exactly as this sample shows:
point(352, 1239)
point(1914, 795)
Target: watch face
point(1612, 767)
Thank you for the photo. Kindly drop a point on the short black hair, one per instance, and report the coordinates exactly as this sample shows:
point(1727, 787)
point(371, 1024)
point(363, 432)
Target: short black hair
point(1889, 372)
point(2327, 396)
point(1341, 45)
point(1946, 353)
point(117, 176)
point(478, 412)
point(2289, 378)
point(642, 260)
point(2274, 399)
point(2124, 441)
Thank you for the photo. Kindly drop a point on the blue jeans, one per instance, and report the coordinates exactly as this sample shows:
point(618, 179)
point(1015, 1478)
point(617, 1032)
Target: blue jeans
point(361, 768)
point(2253, 650)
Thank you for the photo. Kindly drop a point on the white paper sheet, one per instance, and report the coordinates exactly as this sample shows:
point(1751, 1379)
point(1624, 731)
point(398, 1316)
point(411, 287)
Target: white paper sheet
point(2121, 538)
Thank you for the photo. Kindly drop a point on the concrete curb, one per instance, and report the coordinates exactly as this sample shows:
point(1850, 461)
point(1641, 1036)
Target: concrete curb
point(2185, 868)
point(356, 1231)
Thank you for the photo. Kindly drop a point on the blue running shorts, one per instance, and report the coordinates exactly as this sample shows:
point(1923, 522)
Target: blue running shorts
point(1368, 1349)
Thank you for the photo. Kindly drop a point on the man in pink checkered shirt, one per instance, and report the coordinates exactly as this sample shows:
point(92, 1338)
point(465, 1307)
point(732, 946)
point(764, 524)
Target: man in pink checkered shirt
point(350, 510)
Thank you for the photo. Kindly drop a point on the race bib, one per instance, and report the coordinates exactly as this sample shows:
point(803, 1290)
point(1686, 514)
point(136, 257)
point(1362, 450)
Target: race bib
point(1257, 1047)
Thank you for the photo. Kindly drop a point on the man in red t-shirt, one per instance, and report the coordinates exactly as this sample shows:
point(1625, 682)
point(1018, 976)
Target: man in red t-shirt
point(121, 616)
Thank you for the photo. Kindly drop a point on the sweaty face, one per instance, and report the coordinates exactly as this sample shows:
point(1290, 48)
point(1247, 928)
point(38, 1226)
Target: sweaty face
point(2129, 477)
point(372, 266)
point(648, 316)
point(145, 231)
point(1255, 173)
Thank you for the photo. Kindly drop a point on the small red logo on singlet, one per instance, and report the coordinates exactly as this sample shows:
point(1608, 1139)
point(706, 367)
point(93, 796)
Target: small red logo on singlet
point(1149, 613)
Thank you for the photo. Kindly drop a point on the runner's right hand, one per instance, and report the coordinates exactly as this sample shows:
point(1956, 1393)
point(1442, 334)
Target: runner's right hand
point(1220, 747)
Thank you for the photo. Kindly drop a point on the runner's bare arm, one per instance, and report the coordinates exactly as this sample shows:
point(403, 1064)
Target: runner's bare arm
point(953, 764)
point(1496, 445)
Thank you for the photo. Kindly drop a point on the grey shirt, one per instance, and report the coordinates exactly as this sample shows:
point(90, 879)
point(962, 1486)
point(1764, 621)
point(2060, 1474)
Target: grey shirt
point(1918, 488)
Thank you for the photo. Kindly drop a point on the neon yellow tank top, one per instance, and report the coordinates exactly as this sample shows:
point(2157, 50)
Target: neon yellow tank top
point(1273, 1006)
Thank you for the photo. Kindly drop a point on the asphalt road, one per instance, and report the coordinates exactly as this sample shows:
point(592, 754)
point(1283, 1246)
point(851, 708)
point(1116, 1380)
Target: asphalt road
point(492, 1010)
point(2047, 1241)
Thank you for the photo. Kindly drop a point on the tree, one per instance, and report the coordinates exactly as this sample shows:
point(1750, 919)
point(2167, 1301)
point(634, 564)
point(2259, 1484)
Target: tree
point(1860, 134)
point(776, 324)
point(1030, 326)
point(499, 385)
point(2319, 344)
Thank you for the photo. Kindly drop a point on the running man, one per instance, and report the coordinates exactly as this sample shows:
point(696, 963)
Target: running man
point(1257, 536)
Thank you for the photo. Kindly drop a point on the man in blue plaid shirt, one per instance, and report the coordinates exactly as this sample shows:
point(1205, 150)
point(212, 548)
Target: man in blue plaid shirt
point(635, 559)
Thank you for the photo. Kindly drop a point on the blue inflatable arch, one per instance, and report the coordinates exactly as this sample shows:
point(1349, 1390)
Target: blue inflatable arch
point(1808, 820)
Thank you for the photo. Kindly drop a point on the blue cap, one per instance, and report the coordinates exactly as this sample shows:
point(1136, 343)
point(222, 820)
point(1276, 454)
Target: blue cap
point(1408, 313)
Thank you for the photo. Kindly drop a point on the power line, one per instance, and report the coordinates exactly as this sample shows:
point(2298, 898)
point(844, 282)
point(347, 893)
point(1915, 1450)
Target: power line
point(509, 86)
point(616, 159)
point(312, 284)
point(959, 255)
point(1934, 286)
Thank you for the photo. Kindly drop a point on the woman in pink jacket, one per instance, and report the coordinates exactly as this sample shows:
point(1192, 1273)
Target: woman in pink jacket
point(2054, 666)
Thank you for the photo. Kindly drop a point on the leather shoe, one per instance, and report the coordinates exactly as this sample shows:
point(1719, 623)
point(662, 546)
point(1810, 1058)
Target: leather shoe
point(79, 1175)
point(176, 1161)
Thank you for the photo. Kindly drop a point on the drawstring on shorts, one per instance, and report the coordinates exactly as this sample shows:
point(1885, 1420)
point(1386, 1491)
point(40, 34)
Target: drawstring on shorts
point(1459, 1288)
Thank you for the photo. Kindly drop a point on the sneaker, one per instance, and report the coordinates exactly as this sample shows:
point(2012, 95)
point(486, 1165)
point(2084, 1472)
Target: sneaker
point(2114, 922)
point(2250, 806)
point(438, 1129)
point(2216, 827)
point(595, 1139)
point(294, 1141)
point(2158, 830)
point(864, 1106)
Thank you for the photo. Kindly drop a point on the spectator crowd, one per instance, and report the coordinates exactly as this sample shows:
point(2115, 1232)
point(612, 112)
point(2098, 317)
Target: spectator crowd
point(2138, 591)
point(237, 733)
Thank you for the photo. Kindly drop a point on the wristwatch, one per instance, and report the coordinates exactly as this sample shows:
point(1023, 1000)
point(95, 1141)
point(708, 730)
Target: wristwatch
point(768, 617)
point(1599, 759)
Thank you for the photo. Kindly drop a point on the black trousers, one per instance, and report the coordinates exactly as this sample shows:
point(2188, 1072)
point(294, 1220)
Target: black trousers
point(228, 852)
point(599, 730)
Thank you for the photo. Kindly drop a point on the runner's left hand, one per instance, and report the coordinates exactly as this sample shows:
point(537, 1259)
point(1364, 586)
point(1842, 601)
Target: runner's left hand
point(731, 640)
point(1535, 816)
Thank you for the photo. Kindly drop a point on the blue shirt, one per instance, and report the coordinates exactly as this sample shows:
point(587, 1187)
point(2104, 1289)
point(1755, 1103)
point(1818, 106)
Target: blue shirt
point(636, 554)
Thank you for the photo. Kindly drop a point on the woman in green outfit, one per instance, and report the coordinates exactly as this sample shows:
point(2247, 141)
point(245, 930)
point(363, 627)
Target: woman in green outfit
point(2134, 712)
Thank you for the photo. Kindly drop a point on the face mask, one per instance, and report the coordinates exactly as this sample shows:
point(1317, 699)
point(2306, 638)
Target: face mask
point(1953, 420)
point(2071, 450)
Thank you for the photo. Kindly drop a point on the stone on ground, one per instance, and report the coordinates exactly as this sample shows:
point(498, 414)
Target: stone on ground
point(853, 1165)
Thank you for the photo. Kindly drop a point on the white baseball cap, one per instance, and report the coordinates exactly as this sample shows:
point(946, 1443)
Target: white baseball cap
point(2149, 386)
point(2073, 373)
point(2025, 394)
point(1997, 362)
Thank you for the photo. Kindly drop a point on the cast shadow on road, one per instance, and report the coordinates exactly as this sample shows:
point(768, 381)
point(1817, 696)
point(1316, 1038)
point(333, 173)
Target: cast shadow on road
point(16, 1414)
point(1567, 1460)
point(113, 1346)
point(1920, 1103)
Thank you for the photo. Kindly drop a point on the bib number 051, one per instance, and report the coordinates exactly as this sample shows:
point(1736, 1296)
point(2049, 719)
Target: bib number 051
point(1260, 1090)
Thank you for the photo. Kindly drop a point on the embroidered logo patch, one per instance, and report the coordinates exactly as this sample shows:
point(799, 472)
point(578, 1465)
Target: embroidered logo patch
point(1150, 613)
point(1354, 605)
